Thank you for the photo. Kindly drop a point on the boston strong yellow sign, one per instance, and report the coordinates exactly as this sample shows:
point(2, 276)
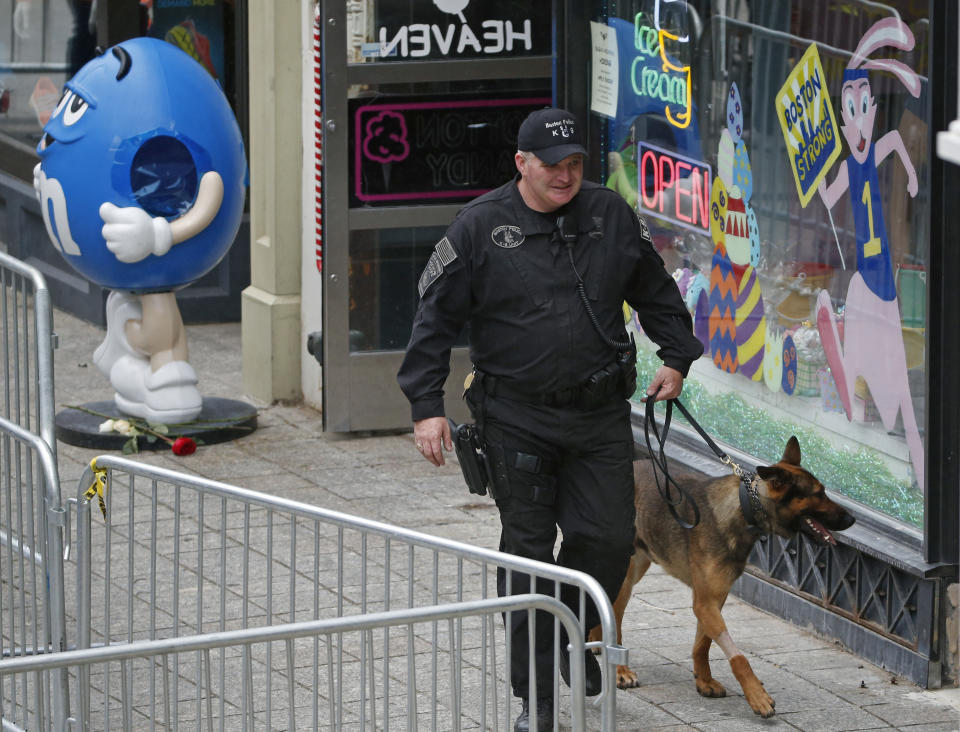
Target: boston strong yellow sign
point(808, 123)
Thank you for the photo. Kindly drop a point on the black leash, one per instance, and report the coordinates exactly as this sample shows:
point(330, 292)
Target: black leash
point(750, 503)
point(659, 459)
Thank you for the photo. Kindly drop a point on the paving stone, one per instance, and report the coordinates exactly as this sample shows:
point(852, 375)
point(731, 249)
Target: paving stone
point(845, 719)
point(906, 712)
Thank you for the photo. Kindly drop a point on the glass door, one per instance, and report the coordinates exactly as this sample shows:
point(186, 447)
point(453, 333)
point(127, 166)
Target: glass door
point(421, 103)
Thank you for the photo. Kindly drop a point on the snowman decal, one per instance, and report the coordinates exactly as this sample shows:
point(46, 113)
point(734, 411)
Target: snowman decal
point(141, 184)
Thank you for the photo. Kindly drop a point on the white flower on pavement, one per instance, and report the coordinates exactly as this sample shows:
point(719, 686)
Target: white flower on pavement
point(121, 426)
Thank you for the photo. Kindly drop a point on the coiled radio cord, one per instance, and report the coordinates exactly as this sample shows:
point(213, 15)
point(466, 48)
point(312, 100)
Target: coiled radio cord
point(569, 238)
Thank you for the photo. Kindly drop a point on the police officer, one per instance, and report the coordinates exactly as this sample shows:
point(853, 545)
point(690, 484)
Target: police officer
point(539, 269)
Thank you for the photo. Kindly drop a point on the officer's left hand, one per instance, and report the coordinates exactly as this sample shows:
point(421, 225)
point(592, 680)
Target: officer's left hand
point(432, 437)
point(667, 384)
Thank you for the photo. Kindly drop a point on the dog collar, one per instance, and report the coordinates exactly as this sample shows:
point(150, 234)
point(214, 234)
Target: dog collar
point(750, 504)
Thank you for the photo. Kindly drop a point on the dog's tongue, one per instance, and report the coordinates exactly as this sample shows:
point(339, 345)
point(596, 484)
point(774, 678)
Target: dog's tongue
point(817, 530)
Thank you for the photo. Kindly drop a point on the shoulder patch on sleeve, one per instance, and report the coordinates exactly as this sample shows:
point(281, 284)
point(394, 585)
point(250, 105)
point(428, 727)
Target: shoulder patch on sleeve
point(443, 254)
point(445, 251)
point(644, 231)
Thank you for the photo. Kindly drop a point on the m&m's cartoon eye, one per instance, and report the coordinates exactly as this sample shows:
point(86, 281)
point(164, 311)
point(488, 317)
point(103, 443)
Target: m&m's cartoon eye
point(74, 110)
point(64, 100)
point(72, 106)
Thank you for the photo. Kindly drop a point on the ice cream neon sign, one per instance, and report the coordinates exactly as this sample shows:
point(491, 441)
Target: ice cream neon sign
point(667, 81)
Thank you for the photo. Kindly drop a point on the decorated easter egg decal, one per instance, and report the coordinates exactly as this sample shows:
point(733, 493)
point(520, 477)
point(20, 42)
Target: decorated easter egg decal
point(750, 325)
point(753, 230)
point(722, 307)
point(734, 113)
point(773, 359)
point(701, 319)
point(726, 155)
point(718, 211)
point(697, 285)
point(736, 232)
point(789, 380)
point(742, 174)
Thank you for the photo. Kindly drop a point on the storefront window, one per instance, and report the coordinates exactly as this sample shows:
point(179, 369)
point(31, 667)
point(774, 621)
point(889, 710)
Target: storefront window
point(385, 267)
point(421, 144)
point(45, 42)
point(778, 151)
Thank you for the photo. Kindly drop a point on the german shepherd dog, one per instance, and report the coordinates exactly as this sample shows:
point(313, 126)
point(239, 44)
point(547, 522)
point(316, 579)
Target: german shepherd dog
point(712, 555)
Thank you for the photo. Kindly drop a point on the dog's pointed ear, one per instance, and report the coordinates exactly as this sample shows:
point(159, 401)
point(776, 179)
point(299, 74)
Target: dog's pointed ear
point(768, 472)
point(791, 454)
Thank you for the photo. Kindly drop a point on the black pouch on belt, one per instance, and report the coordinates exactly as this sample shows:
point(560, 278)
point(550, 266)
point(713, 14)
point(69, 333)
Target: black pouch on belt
point(627, 365)
point(472, 457)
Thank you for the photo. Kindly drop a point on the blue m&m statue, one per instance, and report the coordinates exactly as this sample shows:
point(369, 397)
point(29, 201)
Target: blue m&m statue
point(128, 171)
point(141, 183)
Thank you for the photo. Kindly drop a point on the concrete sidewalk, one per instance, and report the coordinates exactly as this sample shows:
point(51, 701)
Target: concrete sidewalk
point(816, 684)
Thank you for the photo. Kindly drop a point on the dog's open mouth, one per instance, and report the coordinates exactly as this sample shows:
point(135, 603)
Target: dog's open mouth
point(818, 531)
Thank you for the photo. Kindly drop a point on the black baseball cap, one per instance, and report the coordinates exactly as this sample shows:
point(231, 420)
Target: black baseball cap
point(551, 134)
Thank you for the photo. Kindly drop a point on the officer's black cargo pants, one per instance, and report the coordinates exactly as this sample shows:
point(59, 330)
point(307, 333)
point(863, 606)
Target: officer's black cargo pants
point(559, 467)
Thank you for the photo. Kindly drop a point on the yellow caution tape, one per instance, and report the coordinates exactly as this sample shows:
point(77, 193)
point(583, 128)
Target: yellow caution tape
point(98, 487)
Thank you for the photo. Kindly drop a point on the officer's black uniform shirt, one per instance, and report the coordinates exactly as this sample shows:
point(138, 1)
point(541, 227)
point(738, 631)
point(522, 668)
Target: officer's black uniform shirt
point(501, 268)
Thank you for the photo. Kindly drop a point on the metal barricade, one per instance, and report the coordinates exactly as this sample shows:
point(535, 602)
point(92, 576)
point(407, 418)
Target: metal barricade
point(181, 555)
point(312, 674)
point(32, 605)
point(26, 347)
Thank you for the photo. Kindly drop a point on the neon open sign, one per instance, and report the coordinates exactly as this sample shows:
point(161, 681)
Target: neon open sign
point(673, 187)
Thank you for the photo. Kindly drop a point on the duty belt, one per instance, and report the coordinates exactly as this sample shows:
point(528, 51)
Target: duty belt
point(497, 387)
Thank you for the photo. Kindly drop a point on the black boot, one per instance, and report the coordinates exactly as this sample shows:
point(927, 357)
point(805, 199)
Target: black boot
point(593, 677)
point(544, 715)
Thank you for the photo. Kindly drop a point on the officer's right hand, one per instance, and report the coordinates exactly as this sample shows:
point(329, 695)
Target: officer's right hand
point(667, 383)
point(432, 437)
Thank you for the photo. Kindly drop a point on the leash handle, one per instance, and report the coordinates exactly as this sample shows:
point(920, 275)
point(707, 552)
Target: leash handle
point(659, 459)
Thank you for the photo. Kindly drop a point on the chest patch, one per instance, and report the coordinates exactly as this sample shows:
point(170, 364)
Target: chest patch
point(597, 231)
point(507, 237)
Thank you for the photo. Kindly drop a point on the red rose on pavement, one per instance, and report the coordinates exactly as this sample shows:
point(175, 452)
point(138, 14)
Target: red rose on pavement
point(184, 446)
